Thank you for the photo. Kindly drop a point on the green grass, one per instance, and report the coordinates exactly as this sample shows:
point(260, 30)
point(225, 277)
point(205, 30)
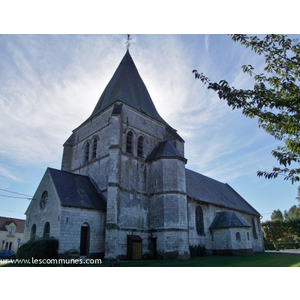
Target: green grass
point(256, 260)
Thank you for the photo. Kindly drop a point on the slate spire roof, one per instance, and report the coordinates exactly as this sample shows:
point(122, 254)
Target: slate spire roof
point(165, 149)
point(127, 86)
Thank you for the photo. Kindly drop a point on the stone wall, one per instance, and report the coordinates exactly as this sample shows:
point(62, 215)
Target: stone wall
point(71, 221)
point(95, 167)
point(65, 222)
point(225, 241)
point(111, 130)
point(168, 207)
point(40, 216)
point(209, 213)
point(116, 243)
point(147, 199)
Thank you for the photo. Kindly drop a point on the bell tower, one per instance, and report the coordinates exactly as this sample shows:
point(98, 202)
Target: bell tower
point(137, 161)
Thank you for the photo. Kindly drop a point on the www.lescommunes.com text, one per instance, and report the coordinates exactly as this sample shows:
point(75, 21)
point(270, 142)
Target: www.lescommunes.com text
point(51, 261)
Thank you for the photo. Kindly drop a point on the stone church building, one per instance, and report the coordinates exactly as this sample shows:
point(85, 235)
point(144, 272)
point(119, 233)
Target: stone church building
point(123, 191)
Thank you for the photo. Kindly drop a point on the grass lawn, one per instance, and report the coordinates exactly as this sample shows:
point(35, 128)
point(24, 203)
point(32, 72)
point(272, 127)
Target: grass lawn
point(256, 260)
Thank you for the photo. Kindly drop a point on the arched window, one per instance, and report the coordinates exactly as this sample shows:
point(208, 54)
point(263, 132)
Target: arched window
point(44, 199)
point(94, 154)
point(129, 142)
point(46, 230)
point(87, 152)
point(33, 232)
point(238, 236)
point(199, 221)
point(140, 149)
point(254, 229)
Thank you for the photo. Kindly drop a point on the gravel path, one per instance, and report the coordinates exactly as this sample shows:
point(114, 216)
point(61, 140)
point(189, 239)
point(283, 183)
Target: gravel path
point(287, 251)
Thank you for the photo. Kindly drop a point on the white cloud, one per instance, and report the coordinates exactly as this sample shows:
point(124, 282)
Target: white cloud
point(41, 104)
point(8, 174)
point(47, 96)
point(51, 84)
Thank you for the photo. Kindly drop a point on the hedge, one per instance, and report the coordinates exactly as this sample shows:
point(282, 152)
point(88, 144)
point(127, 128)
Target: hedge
point(270, 246)
point(39, 248)
point(289, 245)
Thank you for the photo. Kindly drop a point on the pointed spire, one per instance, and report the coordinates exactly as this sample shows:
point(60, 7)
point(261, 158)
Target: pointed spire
point(127, 86)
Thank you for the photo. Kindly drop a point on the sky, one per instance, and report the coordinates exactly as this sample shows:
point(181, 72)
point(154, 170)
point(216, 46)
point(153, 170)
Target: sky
point(50, 84)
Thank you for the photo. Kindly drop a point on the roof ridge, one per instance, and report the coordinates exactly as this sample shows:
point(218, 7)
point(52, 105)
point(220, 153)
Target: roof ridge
point(59, 170)
point(215, 180)
point(241, 197)
point(12, 218)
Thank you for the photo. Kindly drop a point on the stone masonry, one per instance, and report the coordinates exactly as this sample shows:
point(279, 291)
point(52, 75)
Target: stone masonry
point(124, 177)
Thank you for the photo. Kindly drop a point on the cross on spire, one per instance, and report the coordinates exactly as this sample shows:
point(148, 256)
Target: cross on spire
point(128, 41)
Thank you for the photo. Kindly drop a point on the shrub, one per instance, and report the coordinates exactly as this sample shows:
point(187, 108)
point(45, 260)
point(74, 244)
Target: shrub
point(40, 248)
point(197, 251)
point(72, 253)
point(269, 246)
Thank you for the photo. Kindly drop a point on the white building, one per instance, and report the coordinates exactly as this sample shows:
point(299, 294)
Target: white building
point(11, 233)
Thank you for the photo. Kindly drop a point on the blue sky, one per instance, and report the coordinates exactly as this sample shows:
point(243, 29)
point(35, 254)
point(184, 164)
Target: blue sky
point(51, 83)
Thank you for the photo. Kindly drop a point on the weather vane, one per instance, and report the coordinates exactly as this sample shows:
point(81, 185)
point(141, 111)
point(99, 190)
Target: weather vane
point(128, 41)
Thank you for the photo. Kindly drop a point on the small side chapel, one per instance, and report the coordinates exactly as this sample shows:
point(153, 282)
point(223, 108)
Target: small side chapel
point(123, 191)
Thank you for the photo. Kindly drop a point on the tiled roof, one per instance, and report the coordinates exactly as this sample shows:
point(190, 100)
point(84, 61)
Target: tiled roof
point(208, 190)
point(77, 190)
point(134, 237)
point(20, 224)
point(226, 219)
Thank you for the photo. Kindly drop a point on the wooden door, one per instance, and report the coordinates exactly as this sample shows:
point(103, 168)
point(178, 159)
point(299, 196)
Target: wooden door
point(136, 250)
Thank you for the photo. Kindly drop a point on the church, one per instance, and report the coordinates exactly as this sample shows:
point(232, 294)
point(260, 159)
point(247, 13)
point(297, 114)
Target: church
point(123, 191)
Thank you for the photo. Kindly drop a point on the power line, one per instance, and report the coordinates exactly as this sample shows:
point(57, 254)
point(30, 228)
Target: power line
point(15, 197)
point(15, 193)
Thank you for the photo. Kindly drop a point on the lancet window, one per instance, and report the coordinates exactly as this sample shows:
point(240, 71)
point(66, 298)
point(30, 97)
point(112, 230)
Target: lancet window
point(129, 142)
point(94, 154)
point(140, 149)
point(87, 152)
point(199, 221)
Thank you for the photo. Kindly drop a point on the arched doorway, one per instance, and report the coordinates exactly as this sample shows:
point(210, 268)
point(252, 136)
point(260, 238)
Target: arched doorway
point(84, 239)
